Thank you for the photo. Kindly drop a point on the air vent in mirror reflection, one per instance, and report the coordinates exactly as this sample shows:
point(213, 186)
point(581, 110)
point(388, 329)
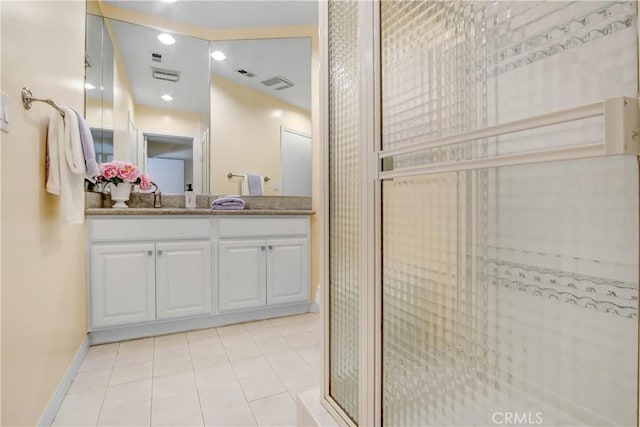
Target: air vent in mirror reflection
point(278, 83)
point(245, 73)
point(168, 75)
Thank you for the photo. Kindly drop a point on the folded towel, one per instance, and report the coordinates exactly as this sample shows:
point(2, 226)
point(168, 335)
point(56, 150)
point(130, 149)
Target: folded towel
point(254, 182)
point(88, 149)
point(231, 202)
point(230, 198)
point(228, 208)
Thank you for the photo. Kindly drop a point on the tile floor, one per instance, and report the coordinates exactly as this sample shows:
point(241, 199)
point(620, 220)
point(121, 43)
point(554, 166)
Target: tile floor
point(240, 375)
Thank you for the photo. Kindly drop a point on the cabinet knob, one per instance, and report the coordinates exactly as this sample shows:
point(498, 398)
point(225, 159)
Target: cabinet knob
point(160, 252)
point(262, 248)
point(270, 247)
point(149, 253)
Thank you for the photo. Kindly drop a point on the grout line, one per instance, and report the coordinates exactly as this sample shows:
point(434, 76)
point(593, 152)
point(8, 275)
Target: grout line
point(193, 372)
point(104, 396)
point(153, 367)
point(238, 379)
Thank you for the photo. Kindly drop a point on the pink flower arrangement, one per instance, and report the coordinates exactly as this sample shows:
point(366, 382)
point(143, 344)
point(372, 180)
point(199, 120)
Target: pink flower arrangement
point(116, 172)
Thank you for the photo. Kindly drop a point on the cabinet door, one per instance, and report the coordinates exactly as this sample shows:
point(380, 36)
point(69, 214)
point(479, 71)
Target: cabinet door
point(122, 284)
point(183, 279)
point(241, 274)
point(287, 271)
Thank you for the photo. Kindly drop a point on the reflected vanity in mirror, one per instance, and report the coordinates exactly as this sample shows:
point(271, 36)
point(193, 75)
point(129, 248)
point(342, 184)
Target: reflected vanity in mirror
point(191, 111)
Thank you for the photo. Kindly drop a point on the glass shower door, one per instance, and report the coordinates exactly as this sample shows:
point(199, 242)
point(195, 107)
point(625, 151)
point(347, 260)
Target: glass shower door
point(509, 290)
point(344, 205)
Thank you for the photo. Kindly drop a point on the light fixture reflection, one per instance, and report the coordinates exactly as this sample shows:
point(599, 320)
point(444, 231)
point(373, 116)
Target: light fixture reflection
point(166, 38)
point(218, 55)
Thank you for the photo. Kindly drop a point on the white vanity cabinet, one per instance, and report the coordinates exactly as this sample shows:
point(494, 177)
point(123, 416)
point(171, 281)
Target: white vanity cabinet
point(151, 275)
point(287, 270)
point(148, 269)
point(262, 261)
point(242, 274)
point(122, 284)
point(183, 279)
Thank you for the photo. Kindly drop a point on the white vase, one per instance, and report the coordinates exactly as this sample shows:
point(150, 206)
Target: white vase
point(120, 194)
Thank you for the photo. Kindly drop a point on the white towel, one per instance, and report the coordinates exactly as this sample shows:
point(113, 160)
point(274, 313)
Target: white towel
point(245, 185)
point(66, 168)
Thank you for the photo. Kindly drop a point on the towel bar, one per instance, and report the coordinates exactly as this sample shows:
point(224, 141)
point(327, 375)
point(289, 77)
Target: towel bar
point(231, 175)
point(27, 100)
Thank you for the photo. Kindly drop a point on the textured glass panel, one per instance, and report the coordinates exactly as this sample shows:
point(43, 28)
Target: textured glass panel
point(532, 310)
point(513, 290)
point(344, 204)
point(449, 66)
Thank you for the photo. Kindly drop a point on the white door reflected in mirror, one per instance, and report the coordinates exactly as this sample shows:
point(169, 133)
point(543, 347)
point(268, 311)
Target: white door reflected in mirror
point(295, 163)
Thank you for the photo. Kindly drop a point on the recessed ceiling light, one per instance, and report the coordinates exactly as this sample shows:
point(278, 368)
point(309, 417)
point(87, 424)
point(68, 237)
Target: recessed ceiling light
point(170, 1)
point(89, 86)
point(218, 55)
point(167, 97)
point(166, 38)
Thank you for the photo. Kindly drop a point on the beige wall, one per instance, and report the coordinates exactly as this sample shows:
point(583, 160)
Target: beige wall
point(43, 274)
point(166, 121)
point(245, 135)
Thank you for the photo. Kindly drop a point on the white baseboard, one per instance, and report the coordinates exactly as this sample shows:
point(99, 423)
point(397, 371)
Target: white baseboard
point(47, 417)
point(314, 307)
point(180, 325)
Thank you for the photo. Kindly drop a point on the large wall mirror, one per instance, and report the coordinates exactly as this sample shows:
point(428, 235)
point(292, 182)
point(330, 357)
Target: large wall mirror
point(204, 110)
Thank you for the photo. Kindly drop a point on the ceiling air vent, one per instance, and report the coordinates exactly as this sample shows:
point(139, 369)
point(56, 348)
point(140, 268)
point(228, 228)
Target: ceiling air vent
point(246, 73)
point(168, 75)
point(156, 57)
point(278, 81)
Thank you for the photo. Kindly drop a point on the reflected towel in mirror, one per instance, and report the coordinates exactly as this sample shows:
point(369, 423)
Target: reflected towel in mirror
point(252, 185)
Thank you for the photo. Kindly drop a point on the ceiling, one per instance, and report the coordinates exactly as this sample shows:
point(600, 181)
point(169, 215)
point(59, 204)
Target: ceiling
point(189, 56)
point(228, 14)
point(267, 58)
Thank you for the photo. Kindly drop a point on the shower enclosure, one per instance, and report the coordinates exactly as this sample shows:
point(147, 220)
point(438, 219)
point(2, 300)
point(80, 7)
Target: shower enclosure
point(482, 214)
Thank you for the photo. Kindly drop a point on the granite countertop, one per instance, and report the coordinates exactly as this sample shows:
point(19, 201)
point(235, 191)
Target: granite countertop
point(173, 204)
point(197, 211)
